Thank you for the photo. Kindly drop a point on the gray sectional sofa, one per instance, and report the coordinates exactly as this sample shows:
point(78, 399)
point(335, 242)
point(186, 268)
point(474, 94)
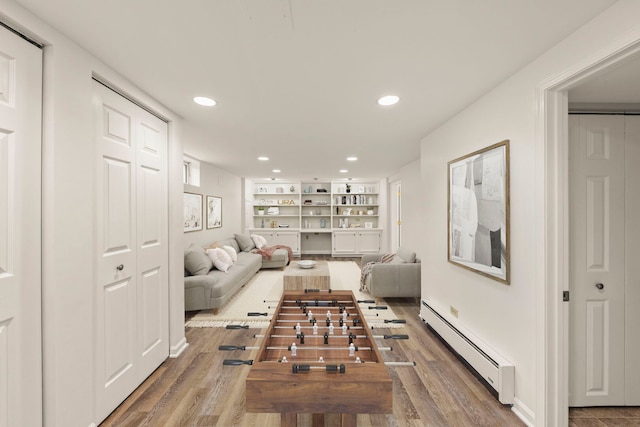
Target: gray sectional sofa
point(398, 278)
point(206, 287)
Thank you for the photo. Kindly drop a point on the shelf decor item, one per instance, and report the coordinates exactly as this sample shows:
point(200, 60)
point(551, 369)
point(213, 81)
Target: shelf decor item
point(260, 210)
point(214, 212)
point(192, 205)
point(478, 193)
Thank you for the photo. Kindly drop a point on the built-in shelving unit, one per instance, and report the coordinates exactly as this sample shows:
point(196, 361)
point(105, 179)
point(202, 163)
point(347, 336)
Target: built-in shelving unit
point(336, 218)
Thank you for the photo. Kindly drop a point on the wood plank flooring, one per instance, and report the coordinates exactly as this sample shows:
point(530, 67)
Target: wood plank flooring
point(197, 390)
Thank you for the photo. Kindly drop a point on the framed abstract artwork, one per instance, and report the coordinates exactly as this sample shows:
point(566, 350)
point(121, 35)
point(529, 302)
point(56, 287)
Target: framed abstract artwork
point(192, 204)
point(478, 212)
point(214, 212)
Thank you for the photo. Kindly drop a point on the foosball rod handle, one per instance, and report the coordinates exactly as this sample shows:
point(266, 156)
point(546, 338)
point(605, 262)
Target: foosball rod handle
point(378, 307)
point(237, 327)
point(396, 337)
point(366, 301)
point(395, 321)
point(255, 313)
point(237, 362)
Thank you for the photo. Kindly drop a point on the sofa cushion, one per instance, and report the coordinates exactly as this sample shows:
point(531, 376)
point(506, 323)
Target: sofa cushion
point(245, 242)
point(231, 241)
point(406, 255)
point(196, 260)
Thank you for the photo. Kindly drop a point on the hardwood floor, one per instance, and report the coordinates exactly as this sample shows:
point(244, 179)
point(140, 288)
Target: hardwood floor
point(197, 390)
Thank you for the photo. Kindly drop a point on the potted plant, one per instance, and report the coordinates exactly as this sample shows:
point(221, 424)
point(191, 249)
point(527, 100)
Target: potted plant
point(260, 210)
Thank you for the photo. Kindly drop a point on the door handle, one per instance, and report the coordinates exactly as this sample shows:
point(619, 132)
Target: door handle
point(600, 286)
point(120, 267)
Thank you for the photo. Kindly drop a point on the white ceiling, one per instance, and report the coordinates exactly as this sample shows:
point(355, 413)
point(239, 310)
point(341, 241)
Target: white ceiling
point(619, 84)
point(297, 80)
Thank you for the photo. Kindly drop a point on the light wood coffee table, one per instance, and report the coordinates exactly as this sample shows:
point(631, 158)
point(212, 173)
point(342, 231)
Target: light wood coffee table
point(299, 279)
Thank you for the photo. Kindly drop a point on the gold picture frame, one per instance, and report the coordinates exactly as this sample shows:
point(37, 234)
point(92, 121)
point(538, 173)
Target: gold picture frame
point(478, 212)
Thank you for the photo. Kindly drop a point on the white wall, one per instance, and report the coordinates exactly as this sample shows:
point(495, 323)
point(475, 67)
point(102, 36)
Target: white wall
point(504, 316)
point(217, 182)
point(68, 215)
point(412, 216)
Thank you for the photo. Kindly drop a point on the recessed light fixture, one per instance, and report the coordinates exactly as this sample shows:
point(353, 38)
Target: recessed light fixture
point(276, 171)
point(352, 158)
point(263, 158)
point(343, 171)
point(204, 101)
point(388, 100)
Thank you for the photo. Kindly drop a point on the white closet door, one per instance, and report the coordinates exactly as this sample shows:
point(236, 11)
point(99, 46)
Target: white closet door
point(20, 238)
point(597, 266)
point(131, 226)
point(632, 255)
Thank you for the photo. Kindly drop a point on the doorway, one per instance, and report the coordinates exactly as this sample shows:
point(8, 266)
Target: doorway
point(553, 244)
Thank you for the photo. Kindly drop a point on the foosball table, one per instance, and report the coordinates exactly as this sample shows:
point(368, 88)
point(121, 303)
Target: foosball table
point(319, 356)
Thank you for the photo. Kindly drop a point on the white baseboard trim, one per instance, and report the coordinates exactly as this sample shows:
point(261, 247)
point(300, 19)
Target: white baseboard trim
point(177, 349)
point(523, 412)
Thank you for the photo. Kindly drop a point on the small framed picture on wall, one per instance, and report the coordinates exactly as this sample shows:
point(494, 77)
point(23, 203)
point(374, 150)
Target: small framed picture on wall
point(192, 212)
point(214, 212)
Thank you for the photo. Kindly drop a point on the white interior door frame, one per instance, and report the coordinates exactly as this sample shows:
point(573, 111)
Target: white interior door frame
point(552, 227)
point(395, 213)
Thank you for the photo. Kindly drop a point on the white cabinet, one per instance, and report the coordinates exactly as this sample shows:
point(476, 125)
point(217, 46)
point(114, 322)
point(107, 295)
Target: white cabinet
point(368, 242)
point(356, 242)
point(344, 242)
point(289, 238)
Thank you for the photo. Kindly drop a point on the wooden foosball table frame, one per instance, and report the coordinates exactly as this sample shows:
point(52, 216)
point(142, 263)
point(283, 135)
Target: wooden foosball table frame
point(301, 383)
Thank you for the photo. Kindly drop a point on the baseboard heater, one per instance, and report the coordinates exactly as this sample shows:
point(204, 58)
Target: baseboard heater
point(498, 372)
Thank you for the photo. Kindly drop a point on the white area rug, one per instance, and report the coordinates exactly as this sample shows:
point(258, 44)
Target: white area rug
point(262, 294)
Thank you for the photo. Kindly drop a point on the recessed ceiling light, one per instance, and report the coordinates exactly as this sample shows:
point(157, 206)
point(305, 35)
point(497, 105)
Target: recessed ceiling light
point(343, 171)
point(203, 100)
point(388, 100)
point(276, 171)
point(263, 158)
point(352, 159)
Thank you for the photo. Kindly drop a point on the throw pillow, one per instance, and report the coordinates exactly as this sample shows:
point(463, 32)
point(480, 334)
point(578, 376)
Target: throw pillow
point(232, 253)
point(406, 255)
point(246, 242)
point(213, 245)
point(196, 261)
point(220, 258)
point(259, 240)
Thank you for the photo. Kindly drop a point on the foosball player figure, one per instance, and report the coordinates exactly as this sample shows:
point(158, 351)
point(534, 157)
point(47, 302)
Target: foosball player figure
point(298, 328)
point(301, 336)
point(315, 329)
point(284, 359)
point(294, 349)
point(344, 329)
point(326, 338)
point(331, 329)
point(352, 350)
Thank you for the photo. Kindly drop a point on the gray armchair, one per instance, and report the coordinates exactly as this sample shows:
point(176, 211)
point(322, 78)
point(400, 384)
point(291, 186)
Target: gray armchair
point(398, 278)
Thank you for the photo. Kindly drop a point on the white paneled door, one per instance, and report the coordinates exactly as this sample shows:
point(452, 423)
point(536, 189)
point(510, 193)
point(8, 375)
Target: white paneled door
point(131, 245)
point(602, 280)
point(20, 237)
